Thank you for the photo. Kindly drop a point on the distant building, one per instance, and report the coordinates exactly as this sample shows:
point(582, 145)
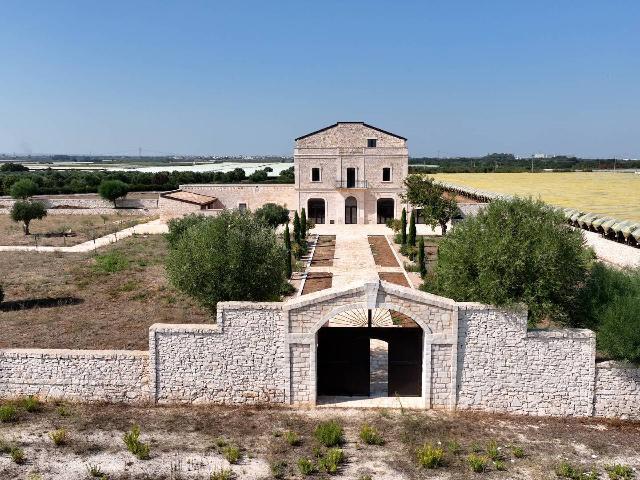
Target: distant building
point(346, 173)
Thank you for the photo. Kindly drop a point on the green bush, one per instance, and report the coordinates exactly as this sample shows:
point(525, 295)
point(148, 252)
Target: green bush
point(17, 455)
point(8, 413)
point(292, 438)
point(517, 451)
point(329, 433)
point(306, 466)
point(514, 251)
point(134, 445)
point(59, 436)
point(272, 214)
point(177, 227)
point(330, 462)
point(566, 470)
point(231, 453)
point(222, 474)
point(477, 463)
point(619, 472)
point(430, 456)
point(31, 403)
point(23, 189)
point(230, 257)
point(278, 469)
point(110, 262)
point(493, 451)
point(370, 435)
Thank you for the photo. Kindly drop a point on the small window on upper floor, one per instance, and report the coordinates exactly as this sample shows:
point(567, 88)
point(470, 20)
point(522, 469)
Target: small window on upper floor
point(242, 207)
point(386, 174)
point(315, 174)
point(371, 143)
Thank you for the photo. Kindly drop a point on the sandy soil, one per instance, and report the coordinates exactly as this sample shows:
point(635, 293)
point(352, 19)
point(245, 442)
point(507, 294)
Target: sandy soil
point(56, 300)
point(324, 252)
point(183, 442)
point(394, 277)
point(65, 230)
point(382, 254)
point(317, 281)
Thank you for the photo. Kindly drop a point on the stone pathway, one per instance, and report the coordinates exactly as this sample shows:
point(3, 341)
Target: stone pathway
point(612, 252)
point(149, 228)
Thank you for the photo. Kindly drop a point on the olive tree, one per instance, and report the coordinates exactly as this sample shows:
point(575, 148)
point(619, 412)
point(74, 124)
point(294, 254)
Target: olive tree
point(23, 189)
point(232, 256)
point(273, 214)
point(25, 211)
point(112, 190)
point(437, 209)
point(514, 251)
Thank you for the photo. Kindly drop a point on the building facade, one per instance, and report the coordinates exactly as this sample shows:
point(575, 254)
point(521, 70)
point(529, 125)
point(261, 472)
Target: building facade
point(347, 173)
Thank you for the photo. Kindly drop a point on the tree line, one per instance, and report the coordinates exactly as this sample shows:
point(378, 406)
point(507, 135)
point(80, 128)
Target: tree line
point(52, 182)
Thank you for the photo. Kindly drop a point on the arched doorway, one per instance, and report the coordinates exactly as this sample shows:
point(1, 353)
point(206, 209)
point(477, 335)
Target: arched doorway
point(344, 354)
point(350, 210)
point(316, 210)
point(385, 208)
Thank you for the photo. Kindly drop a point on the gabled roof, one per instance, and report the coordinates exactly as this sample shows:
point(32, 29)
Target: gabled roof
point(189, 197)
point(359, 123)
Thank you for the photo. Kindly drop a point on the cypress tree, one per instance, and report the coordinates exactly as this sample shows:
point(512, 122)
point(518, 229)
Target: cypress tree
point(421, 258)
point(403, 220)
point(412, 230)
point(296, 228)
point(287, 244)
point(303, 224)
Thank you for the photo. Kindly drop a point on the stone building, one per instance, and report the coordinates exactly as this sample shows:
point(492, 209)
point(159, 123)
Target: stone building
point(346, 173)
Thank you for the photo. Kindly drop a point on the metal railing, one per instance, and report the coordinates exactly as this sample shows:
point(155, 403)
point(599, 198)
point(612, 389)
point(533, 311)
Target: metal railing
point(352, 184)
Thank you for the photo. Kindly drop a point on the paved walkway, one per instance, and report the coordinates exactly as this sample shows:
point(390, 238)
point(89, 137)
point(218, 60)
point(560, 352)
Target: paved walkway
point(612, 252)
point(153, 227)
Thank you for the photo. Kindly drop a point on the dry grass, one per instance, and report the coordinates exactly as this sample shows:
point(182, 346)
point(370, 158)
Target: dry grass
point(55, 300)
point(616, 194)
point(190, 432)
point(79, 229)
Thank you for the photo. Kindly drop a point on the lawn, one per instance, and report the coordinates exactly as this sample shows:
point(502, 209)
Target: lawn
point(65, 230)
point(89, 301)
point(193, 441)
point(615, 194)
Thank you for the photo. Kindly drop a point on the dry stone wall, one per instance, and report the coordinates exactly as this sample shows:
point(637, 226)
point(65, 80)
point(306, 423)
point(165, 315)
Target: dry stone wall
point(617, 391)
point(83, 375)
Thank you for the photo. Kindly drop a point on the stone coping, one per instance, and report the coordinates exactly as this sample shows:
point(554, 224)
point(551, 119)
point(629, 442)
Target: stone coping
point(71, 353)
point(616, 364)
point(251, 305)
point(575, 333)
point(184, 328)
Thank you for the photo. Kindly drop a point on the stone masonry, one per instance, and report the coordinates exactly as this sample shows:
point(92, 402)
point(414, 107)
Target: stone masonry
point(476, 357)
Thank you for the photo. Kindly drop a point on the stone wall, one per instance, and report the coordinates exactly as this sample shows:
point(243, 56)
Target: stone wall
point(617, 391)
point(83, 375)
point(441, 368)
point(504, 368)
point(253, 195)
point(239, 360)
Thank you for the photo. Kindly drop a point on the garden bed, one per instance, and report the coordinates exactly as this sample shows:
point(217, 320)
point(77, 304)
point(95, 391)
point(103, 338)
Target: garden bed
point(191, 442)
point(324, 252)
point(394, 277)
point(317, 281)
point(65, 230)
point(382, 253)
point(88, 301)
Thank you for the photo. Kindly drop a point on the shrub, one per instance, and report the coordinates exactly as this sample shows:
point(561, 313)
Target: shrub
point(370, 435)
point(95, 472)
point(395, 225)
point(422, 264)
point(17, 455)
point(26, 211)
point(517, 451)
point(566, 470)
point(303, 223)
point(329, 433)
point(306, 466)
point(110, 262)
point(411, 238)
point(231, 453)
point(31, 404)
point(292, 438)
point(23, 189)
point(477, 463)
point(454, 447)
point(112, 190)
point(222, 474)
point(272, 214)
point(403, 227)
point(500, 465)
point(58, 437)
point(619, 472)
point(493, 451)
point(514, 251)
point(278, 469)
point(134, 445)
point(229, 257)
point(331, 461)
point(177, 227)
point(8, 413)
point(430, 456)
point(435, 206)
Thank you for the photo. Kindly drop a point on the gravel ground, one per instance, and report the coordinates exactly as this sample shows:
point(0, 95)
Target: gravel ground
point(613, 252)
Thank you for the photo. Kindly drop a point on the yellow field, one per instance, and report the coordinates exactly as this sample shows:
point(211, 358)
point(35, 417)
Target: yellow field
point(615, 194)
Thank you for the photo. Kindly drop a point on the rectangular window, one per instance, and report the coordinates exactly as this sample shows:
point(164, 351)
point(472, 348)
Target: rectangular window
point(371, 143)
point(242, 207)
point(386, 174)
point(315, 174)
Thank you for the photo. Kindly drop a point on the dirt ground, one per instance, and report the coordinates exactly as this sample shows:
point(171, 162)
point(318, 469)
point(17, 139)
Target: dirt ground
point(184, 443)
point(65, 230)
point(394, 277)
point(317, 281)
point(89, 301)
point(381, 251)
point(324, 252)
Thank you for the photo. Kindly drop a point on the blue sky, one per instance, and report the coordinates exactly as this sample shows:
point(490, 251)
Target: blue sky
point(239, 77)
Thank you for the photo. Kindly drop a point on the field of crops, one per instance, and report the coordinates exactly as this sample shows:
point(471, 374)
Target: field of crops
point(615, 194)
